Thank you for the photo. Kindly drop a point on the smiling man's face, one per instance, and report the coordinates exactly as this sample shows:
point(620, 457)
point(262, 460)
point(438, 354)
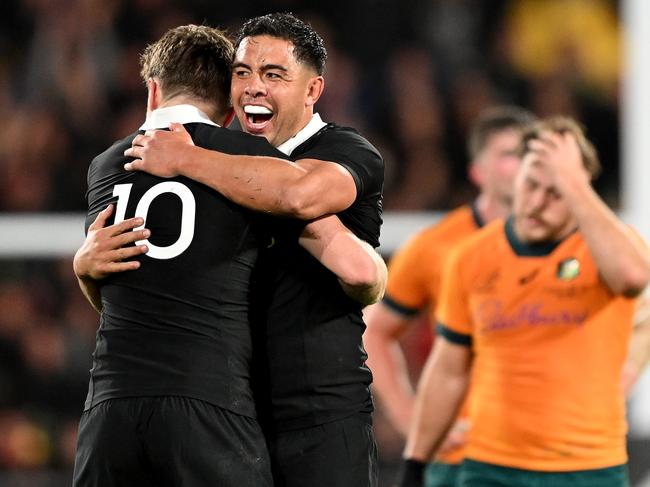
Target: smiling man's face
point(272, 93)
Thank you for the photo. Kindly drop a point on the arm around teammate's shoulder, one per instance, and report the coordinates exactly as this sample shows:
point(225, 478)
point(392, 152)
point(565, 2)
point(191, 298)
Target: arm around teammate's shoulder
point(271, 184)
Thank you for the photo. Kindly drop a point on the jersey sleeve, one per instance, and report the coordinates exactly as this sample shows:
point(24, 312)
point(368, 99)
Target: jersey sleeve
point(411, 276)
point(453, 313)
point(354, 153)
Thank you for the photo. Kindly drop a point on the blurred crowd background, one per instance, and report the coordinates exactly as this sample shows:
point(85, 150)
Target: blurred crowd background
point(411, 76)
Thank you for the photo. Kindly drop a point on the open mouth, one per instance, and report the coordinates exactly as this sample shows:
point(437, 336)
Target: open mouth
point(257, 116)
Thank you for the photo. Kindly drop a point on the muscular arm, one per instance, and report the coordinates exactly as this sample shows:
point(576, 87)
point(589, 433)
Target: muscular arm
point(306, 189)
point(622, 258)
point(391, 381)
point(440, 392)
point(360, 269)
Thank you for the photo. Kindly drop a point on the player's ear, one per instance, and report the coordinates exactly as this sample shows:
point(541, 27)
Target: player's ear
point(228, 117)
point(476, 174)
point(314, 90)
point(153, 94)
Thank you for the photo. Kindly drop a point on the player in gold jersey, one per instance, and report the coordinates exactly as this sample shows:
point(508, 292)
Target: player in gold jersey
point(541, 307)
point(416, 269)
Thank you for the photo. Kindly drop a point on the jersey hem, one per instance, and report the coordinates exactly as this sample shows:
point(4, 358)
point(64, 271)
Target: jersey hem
point(553, 465)
point(89, 404)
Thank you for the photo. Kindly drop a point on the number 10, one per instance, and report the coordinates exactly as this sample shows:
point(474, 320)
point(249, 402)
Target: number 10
point(123, 191)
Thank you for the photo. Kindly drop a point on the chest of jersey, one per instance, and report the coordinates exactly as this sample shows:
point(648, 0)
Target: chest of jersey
point(523, 301)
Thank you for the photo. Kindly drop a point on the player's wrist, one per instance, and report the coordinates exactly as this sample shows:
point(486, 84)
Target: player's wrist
point(411, 473)
point(80, 268)
point(189, 164)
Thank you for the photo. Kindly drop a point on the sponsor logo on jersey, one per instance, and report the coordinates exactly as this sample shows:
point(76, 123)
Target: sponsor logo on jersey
point(568, 269)
point(525, 279)
point(494, 315)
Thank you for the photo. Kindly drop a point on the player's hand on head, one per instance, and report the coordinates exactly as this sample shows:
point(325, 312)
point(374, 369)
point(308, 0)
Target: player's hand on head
point(560, 154)
point(159, 152)
point(106, 248)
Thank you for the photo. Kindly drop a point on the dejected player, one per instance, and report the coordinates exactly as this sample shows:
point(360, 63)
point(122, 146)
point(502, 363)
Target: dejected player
point(544, 322)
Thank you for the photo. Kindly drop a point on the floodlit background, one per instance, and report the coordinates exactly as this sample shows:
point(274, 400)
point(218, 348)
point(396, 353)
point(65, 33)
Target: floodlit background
point(411, 76)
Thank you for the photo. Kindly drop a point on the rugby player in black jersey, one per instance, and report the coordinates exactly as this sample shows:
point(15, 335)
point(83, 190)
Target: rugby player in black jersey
point(319, 385)
point(169, 401)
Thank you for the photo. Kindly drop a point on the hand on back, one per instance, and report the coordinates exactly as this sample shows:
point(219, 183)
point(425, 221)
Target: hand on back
point(106, 248)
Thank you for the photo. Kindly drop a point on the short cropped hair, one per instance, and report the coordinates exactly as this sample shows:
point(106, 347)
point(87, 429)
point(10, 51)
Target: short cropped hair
point(193, 60)
point(563, 125)
point(494, 120)
point(308, 45)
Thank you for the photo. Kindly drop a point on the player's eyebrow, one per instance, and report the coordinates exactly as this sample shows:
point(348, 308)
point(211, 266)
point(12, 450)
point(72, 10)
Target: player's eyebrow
point(266, 67)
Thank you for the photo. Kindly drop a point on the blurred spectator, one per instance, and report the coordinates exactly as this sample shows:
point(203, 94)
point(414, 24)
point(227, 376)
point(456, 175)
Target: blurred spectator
point(46, 338)
point(412, 80)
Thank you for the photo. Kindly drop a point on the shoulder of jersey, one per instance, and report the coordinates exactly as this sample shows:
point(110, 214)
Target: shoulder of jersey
point(485, 237)
point(349, 134)
point(456, 223)
point(118, 147)
point(252, 142)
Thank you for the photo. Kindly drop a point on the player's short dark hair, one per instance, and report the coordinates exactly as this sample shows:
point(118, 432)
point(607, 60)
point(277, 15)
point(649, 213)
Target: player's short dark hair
point(309, 47)
point(194, 60)
point(494, 120)
point(563, 125)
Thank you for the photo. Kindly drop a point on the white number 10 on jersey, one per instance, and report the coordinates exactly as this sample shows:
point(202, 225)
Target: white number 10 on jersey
point(123, 191)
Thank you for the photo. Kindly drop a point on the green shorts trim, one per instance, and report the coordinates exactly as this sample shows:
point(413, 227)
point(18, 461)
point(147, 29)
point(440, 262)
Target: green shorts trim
point(441, 475)
point(479, 474)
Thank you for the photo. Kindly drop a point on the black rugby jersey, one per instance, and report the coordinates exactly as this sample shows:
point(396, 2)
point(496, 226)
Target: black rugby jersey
point(317, 370)
point(179, 325)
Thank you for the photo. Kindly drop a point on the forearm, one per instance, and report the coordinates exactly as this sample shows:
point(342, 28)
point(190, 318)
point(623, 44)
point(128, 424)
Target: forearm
point(621, 257)
point(256, 182)
point(368, 283)
point(359, 268)
point(639, 352)
point(439, 396)
point(391, 382)
point(90, 290)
